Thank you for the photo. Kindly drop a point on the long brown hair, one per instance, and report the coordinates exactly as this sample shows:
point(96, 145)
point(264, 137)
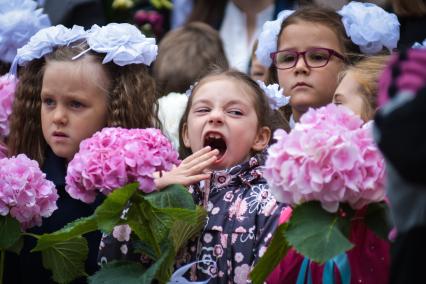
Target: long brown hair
point(131, 99)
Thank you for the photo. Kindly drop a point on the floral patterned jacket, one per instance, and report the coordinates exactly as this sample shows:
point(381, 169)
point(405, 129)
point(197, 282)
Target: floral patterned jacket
point(242, 216)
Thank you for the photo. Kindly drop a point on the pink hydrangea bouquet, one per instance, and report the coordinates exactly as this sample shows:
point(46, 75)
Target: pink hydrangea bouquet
point(25, 193)
point(25, 197)
point(330, 157)
point(121, 164)
point(7, 95)
point(328, 169)
point(114, 157)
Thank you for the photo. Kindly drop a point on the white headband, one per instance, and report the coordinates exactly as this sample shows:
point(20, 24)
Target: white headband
point(123, 44)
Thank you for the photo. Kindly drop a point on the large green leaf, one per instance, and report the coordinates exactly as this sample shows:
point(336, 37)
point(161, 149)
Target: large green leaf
point(10, 231)
point(315, 233)
point(118, 272)
point(274, 254)
point(72, 230)
point(139, 219)
point(377, 219)
point(185, 228)
point(173, 196)
point(109, 212)
point(66, 259)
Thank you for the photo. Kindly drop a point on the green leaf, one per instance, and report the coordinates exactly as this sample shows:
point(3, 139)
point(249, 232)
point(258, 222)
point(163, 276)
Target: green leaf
point(66, 259)
point(124, 272)
point(185, 228)
point(315, 233)
point(274, 254)
point(17, 246)
point(162, 268)
point(139, 219)
point(173, 196)
point(71, 230)
point(377, 219)
point(109, 212)
point(10, 231)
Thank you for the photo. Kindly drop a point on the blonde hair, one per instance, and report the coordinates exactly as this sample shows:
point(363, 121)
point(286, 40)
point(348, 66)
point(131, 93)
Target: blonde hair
point(131, 99)
point(366, 73)
point(185, 54)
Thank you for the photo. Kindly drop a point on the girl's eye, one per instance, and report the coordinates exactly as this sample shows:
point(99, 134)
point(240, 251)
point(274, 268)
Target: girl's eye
point(236, 112)
point(48, 101)
point(202, 110)
point(76, 104)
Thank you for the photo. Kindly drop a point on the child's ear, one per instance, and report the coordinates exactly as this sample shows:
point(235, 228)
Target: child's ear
point(185, 137)
point(262, 139)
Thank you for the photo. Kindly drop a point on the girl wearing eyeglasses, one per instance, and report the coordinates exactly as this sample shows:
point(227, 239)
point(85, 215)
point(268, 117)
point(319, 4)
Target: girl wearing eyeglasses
point(312, 49)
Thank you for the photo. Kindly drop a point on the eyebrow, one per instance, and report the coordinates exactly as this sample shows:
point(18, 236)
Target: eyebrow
point(233, 102)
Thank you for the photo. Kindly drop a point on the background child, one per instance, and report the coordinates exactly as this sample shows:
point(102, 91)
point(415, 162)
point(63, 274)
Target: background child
point(257, 70)
point(186, 54)
point(64, 97)
point(359, 84)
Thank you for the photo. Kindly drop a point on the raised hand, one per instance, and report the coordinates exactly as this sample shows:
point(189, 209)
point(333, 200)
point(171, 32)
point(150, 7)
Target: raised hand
point(193, 169)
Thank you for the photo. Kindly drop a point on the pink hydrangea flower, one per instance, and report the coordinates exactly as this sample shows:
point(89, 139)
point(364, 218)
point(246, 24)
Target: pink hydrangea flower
point(330, 156)
point(7, 95)
point(114, 157)
point(25, 193)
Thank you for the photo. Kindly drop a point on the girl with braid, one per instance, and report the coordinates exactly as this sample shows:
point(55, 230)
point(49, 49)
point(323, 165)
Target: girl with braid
point(73, 83)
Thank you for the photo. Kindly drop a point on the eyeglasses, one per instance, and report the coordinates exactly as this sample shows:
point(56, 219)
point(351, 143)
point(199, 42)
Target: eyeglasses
point(313, 57)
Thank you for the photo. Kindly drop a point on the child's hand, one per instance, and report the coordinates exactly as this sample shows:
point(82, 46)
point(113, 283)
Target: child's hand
point(193, 169)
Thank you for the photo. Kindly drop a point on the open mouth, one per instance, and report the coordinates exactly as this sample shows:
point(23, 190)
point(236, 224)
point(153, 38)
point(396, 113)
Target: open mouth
point(216, 141)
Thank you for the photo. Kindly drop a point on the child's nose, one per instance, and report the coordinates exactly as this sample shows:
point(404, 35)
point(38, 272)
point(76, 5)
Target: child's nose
point(60, 116)
point(216, 116)
point(301, 65)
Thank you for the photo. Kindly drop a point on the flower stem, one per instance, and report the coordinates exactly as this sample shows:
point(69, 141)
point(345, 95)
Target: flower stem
point(3, 254)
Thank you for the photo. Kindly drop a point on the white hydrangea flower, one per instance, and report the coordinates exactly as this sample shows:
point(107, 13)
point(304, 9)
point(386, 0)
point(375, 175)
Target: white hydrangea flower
point(170, 112)
point(275, 95)
point(19, 21)
point(370, 27)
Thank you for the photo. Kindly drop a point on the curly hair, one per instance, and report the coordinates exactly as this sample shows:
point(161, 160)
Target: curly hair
point(131, 99)
point(265, 115)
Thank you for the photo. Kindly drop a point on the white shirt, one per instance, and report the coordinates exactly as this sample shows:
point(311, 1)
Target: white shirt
point(233, 32)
